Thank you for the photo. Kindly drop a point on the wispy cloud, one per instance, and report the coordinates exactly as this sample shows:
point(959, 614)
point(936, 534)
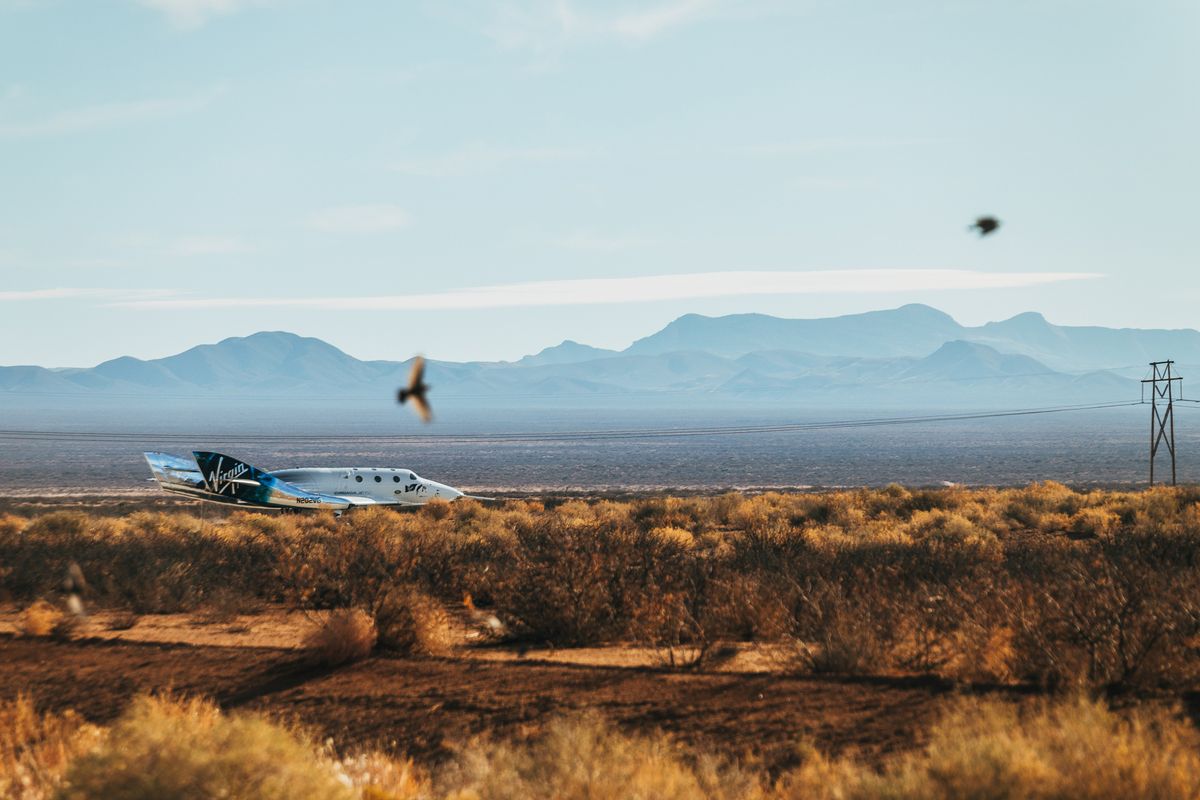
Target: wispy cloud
point(548, 25)
point(802, 147)
point(115, 295)
point(360, 219)
point(192, 14)
point(209, 246)
point(645, 289)
point(480, 157)
point(106, 115)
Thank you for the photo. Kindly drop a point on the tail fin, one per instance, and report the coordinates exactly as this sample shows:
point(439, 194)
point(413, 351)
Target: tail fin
point(171, 470)
point(227, 475)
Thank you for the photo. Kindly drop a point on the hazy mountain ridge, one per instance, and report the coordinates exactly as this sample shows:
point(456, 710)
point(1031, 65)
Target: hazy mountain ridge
point(917, 330)
point(913, 355)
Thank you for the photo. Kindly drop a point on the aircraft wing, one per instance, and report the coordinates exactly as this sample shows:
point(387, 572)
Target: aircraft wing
point(361, 500)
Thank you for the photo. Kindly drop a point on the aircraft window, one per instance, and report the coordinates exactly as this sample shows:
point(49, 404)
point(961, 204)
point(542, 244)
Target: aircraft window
point(412, 476)
point(378, 479)
point(358, 478)
point(396, 478)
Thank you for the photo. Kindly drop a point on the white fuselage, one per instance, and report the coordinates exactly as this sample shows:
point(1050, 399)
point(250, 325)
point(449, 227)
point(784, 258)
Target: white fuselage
point(380, 484)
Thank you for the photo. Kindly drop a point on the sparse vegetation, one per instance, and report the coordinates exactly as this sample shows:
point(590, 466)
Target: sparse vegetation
point(1076, 749)
point(343, 636)
point(184, 748)
point(410, 621)
point(1041, 584)
point(36, 748)
point(40, 619)
point(187, 749)
point(583, 757)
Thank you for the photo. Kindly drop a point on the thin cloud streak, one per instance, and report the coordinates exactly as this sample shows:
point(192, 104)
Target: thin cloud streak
point(802, 147)
point(646, 289)
point(107, 115)
point(192, 14)
point(126, 295)
point(547, 26)
point(210, 246)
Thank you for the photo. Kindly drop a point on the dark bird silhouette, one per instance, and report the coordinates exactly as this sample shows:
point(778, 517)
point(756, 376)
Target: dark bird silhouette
point(985, 225)
point(416, 389)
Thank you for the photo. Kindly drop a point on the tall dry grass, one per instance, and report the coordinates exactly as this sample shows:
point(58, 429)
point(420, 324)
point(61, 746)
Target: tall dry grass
point(178, 748)
point(185, 749)
point(1074, 749)
point(584, 757)
point(37, 748)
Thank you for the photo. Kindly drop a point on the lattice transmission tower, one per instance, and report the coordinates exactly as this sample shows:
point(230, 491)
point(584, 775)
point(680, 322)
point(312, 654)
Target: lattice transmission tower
point(1165, 389)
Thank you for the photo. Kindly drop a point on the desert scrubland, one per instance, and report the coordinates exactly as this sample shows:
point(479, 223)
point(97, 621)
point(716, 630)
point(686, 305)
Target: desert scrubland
point(1031, 642)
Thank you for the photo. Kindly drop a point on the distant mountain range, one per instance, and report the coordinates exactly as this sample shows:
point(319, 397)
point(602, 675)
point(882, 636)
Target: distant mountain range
point(910, 356)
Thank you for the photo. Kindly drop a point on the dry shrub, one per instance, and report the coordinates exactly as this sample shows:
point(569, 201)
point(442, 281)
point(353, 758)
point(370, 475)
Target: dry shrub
point(67, 627)
point(11, 525)
point(437, 509)
point(576, 585)
point(585, 758)
point(950, 528)
point(345, 635)
point(35, 749)
point(981, 654)
point(849, 647)
point(184, 749)
point(1076, 749)
point(955, 626)
point(355, 564)
point(123, 620)
point(848, 642)
point(411, 622)
point(223, 605)
point(40, 619)
point(1122, 617)
point(970, 584)
point(1093, 522)
point(677, 536)
point(747, 607)
point(381, 777)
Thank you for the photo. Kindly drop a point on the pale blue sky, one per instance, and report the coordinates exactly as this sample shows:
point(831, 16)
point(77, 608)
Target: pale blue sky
point(177, 171)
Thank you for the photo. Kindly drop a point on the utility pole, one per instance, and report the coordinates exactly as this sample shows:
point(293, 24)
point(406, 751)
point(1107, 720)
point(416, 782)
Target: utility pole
point(1163, 391)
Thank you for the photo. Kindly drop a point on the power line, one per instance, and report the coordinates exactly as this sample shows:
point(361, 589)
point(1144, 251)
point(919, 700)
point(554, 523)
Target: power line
point(17, 435)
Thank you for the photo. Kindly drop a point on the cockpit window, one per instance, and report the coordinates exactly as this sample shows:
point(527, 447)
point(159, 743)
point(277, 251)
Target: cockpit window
point(412, 476)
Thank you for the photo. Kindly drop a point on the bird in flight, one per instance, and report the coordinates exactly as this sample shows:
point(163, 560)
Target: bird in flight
point(985, 225)
point(416, 389)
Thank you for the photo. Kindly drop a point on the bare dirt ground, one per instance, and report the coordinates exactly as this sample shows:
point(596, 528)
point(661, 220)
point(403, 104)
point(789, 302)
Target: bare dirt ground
point(424, 706)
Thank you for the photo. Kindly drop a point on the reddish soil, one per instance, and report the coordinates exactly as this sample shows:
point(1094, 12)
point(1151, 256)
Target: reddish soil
point(422, 707)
